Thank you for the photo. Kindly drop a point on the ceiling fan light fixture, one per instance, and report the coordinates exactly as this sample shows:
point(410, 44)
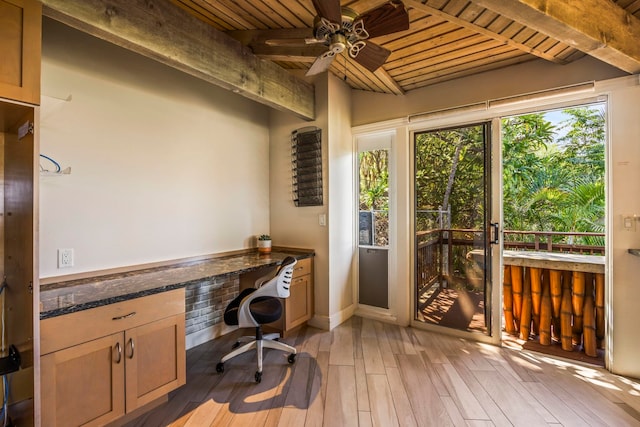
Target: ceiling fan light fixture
point(338, 43)
point(323, 28)
point(355, 48)
point(358, 31)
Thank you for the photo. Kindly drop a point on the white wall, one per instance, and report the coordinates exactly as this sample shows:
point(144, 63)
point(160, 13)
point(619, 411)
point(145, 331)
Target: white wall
point(299, 226)
point(369, 107)
point(164, 166)
point(342, 204)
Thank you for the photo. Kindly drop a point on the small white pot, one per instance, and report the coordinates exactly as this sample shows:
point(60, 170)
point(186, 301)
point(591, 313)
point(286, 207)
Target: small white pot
point(264, 246)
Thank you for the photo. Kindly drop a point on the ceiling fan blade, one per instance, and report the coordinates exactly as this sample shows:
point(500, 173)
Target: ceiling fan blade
point(372, 56)
point(322, 63)
point(387, 19)
point(329, 9)
point(293, 42)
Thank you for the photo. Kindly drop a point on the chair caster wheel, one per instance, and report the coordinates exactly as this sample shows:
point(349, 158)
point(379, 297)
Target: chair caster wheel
point(258, 377)
point(220, 367)
point(235, 345)
point(291, 358)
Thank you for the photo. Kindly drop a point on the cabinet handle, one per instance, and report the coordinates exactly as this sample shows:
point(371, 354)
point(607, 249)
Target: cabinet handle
point(119, 349)
point(132, 348)
point(133, 313)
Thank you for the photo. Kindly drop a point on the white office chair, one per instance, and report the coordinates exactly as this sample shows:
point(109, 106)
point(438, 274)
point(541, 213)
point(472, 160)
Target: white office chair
point(255, 307)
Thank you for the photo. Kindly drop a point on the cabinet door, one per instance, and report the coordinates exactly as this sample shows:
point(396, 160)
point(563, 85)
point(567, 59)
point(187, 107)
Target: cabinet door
point(84, 384)
point(20, 50)
point(155, 356)
point(298, 305)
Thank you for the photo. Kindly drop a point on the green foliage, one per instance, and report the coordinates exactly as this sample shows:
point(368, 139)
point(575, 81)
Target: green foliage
point(450, 171)
point(553, 175)
point(553, 183)
point(374, 180)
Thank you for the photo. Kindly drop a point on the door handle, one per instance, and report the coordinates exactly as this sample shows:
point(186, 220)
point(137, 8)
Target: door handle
point(132, 347)
point(119, 350)
point(495, 238)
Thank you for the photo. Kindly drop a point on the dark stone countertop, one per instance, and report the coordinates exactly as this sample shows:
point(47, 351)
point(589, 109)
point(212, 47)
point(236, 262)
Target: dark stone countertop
point(69, 296)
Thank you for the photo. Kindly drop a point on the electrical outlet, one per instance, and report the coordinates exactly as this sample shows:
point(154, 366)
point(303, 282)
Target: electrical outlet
point(66, 300)
point(65, 258)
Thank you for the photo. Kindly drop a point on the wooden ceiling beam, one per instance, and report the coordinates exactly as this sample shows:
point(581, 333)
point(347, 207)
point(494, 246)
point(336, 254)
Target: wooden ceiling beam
point(482, 30)
point(280, 44)
point(599, 28)
point(166, 33)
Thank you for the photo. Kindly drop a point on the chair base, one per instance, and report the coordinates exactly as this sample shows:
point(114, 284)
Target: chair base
point(259, 342)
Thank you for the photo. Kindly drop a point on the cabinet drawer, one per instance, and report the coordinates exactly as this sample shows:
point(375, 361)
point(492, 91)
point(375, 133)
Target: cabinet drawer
point(70, 329)
point(302, 267)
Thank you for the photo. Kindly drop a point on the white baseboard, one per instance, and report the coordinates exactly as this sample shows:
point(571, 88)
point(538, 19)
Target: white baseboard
point(380, 314)
point(208, 334)
point(342, 316)
point(329, 322)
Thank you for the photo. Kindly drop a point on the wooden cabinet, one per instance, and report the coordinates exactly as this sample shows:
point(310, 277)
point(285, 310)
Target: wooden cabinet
point(20, 45)
point(18, 238)
point(84, 384)
point(298, 308)
point(155, 360)
point(102, 363)
point(20, 50)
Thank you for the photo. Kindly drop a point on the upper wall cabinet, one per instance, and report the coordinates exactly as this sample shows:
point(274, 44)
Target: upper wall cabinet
point(20, 50)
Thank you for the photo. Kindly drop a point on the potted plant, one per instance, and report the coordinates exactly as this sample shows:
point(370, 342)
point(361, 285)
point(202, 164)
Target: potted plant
point(264, 244)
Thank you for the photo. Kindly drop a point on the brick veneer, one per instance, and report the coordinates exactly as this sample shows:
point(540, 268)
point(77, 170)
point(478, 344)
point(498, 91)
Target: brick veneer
point(206, 301)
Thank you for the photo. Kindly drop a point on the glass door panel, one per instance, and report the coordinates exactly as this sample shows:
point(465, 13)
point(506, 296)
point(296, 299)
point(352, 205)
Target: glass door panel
point(373, 229)
point(451, 182)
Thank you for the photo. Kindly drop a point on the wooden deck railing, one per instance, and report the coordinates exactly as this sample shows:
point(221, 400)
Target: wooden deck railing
point(555, 241)
point(442, 257)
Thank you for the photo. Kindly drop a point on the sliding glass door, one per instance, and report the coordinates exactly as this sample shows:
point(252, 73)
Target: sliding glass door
point(452, 189)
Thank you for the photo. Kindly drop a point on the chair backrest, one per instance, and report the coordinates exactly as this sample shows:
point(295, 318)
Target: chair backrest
point(277, 286)
point(284, 275)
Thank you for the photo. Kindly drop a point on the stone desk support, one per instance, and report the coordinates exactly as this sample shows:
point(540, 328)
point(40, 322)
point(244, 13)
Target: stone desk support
point(209, 285)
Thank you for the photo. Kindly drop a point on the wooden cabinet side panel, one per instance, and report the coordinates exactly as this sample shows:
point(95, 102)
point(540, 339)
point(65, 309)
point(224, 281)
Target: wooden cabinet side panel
point(298, 305)
point(156, 360)
point(21, 50)
point(84, 385)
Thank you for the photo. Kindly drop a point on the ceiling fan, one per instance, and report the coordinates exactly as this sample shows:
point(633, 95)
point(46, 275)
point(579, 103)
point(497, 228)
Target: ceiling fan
point(340, 29)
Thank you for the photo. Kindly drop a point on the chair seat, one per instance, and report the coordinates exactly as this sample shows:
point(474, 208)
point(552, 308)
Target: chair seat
point(263, 309)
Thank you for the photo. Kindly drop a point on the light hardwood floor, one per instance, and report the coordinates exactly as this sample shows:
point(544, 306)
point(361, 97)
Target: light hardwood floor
point(367, 373)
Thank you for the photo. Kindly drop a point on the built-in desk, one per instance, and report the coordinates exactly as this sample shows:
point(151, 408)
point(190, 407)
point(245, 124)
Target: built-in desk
point(68, 296)
point(114, 344)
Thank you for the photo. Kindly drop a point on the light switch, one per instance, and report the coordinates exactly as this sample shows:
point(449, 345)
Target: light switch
point(629, 222)
point(322, 220)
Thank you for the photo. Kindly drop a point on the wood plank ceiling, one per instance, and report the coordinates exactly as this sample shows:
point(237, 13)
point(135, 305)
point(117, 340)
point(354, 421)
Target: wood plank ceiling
point(447, 39)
